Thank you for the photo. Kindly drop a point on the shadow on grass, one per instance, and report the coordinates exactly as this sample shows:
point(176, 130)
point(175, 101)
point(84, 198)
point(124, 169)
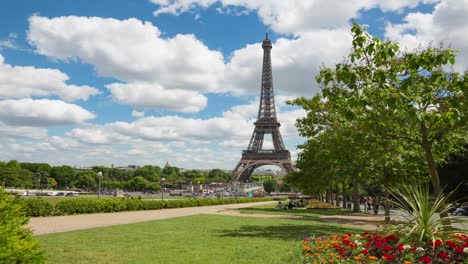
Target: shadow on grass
point(295, 211)
point(283, 232)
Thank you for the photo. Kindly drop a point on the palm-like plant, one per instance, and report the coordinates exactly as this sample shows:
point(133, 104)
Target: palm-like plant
point(422, 211)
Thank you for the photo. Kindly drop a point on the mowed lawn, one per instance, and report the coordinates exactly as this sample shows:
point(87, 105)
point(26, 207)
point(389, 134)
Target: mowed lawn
point(193, 239)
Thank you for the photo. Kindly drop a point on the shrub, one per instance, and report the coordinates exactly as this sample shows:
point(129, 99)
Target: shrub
point(36, 207)
point(424, 223)
point(17, 245)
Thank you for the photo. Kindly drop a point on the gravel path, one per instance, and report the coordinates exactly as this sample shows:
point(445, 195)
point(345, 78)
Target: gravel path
point(56, 224)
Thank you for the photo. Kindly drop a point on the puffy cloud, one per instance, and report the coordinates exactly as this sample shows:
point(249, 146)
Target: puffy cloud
point(448, 23)
point(295, 62)
point(234, 128)
point(134, 52)
point(41, 113)
point(155, 96)
point(7, 131)
point(294, 16)
point(26, 81)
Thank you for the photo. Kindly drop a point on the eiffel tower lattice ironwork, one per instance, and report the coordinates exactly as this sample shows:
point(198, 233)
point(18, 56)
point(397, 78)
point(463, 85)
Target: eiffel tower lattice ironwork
point(255, 156)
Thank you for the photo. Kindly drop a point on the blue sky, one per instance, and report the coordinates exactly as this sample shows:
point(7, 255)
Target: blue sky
point(145, 82)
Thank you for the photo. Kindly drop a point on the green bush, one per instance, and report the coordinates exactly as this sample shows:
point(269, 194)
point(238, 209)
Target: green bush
point(36, 207)
point(17, 245)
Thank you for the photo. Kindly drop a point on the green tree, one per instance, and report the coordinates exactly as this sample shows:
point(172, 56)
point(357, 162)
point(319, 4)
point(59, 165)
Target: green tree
point(150, 173)
point(85, 180)
point(16, 242)
point(269, 185)
point(411, 97)
point(218, 175)
point(64, 175)
point(52, 182)
point(138, 183)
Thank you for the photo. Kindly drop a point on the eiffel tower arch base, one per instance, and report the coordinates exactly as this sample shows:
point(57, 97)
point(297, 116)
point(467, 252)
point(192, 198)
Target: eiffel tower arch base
point(245, 168)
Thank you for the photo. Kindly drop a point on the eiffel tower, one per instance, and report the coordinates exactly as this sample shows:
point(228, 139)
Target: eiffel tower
point(255, 156)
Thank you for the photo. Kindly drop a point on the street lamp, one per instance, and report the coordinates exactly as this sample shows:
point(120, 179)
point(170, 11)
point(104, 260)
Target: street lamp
point(162, 188)
point(99, 174)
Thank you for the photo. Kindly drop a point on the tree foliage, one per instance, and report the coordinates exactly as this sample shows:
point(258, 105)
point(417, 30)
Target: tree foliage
point(16, 242)
point(382, 114)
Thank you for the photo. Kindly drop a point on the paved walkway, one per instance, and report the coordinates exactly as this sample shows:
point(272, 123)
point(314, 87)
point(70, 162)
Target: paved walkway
point(56, 224)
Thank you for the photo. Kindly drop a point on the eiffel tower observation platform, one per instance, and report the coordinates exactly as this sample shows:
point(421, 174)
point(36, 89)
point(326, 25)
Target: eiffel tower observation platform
point(255, 156)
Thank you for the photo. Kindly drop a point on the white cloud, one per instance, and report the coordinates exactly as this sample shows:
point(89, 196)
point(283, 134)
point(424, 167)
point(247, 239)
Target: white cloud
point(155, 96)
point(136, 113)
point(134, 52)
point(448, 23)
point(295, 62)
point(41, 113)
point(293, 16)
point(26, 81)
point(10, 132)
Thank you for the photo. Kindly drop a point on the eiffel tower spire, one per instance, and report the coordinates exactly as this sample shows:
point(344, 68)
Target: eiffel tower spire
point(255, 156)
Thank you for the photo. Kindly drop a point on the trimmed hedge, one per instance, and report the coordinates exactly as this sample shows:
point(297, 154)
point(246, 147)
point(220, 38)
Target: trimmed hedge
point(39, 207)
point(36, 207)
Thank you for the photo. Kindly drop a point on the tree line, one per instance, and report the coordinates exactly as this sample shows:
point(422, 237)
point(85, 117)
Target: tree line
point(148, 177)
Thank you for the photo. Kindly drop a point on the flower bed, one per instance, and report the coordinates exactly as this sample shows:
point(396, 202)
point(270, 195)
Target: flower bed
point(316, 204)
point(374, 248)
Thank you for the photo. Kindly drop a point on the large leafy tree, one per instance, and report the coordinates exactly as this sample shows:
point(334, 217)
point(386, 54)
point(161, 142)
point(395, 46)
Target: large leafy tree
point(413, 98)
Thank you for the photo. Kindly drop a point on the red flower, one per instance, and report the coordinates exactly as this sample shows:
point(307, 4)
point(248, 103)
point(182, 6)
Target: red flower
point(443, 255)
point(400, 247)
point(426, 259)
point(352, 245)
point(392, 236)
point(365, 251)
point(367, 245)
point(346, 241)
point(378, 244)
point(384, 240)
point(387, 248)
point(388, 257)
point(459, 250)
point(451, 243)
point(413, 249)
point(437, 243)
point(366, 233)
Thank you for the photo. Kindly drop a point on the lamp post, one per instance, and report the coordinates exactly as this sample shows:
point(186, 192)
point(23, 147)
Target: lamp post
point(99, 184)
point(162, 188)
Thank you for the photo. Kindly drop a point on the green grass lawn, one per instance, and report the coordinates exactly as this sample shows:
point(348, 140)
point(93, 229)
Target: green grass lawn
point(270, 209)
point(193, 239)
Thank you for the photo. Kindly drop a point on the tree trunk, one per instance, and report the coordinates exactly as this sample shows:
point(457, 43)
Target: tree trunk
point(337, 191)
point(345, 201)
point(386, 194)
point(356, 206)
point(427, 146)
